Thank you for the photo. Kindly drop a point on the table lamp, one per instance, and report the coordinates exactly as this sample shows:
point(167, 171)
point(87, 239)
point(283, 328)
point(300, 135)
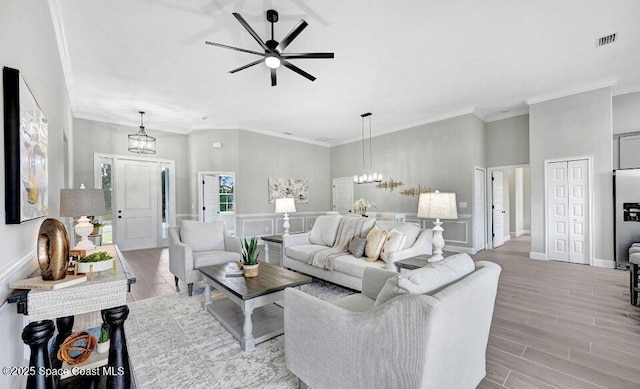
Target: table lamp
point(82, 202)
point(436, 205)
point(285, 206)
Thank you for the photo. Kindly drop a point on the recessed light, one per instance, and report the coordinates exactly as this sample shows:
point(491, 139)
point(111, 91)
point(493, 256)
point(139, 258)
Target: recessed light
point(205, 117)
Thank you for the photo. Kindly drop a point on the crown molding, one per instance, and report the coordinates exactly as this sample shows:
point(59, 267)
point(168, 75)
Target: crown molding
point(434, 119)
point(284, 136)
point(507, 115)
point(572, 91)
point(626, 91)
point(56, 19)
point(479, 114)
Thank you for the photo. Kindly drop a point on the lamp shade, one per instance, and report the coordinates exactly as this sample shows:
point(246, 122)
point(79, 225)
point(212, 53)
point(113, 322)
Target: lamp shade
point(436, 205)
point(285, 205)
point(82, 202)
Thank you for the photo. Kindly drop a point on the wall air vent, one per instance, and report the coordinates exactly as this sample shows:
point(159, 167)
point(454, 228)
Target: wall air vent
point(605, 40)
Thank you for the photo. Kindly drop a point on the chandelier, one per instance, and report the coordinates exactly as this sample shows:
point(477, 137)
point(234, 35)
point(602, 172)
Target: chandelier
point(140, 142)
point(371, 176)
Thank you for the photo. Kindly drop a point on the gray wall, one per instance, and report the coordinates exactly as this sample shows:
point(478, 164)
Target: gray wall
point(568, 127)
point(507, 142)
point(29, 45)
point(107, 138)
point(626, 113)
point(439, 155)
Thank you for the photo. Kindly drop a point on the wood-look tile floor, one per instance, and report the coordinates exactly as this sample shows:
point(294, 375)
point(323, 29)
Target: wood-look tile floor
point(555, 325)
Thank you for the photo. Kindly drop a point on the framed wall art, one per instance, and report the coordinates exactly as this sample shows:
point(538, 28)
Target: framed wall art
point(25, 151)
point(288, 187)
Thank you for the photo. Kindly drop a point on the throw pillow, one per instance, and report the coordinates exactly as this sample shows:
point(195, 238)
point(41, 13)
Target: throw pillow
point(202, 236)
point(367, 226)
point(324, 230)
point(390, 290)
point(356, 246)
point(436, 275)
point(375, 240)
point(428, 279)
point(394, 243)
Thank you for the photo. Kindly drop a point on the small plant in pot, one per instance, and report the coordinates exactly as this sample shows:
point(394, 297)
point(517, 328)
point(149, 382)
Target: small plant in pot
point(103, 340)
point(249, 263)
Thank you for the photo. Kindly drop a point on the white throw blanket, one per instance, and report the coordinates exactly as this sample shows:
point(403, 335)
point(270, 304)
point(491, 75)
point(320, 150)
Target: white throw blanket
point(348, 228)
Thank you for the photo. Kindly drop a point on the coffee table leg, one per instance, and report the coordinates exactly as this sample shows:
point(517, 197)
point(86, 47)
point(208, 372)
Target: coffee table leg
point(248, 342)
point(207, 294)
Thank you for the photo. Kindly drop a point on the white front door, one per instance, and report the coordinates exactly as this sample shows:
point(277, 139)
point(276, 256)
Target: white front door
point(343, 194)
point(210, 198)
point(136, 217)
point(568, 226)
point(497, 184)
point(479, 211)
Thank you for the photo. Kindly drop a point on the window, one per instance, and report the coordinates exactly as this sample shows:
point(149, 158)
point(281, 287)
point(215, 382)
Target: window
point(227, 193)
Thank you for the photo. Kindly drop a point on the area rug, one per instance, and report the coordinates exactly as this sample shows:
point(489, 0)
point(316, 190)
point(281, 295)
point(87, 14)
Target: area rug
point(174, 343)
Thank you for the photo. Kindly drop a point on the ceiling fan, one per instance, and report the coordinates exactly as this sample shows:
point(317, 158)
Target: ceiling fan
point(273, 55)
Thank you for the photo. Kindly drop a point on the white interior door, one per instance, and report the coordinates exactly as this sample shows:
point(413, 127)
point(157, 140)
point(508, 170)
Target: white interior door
point(137, 213)
point(558, 242)
point(343, 194)
point(578, 210)
point(497, 189)
point(568, 221)
point(210, 198)
point(479, 211)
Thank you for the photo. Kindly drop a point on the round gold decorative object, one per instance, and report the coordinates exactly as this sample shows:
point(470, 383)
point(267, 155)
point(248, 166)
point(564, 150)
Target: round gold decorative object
point(53, 250)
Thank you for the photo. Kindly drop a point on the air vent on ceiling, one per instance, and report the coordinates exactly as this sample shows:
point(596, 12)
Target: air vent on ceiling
point(605, 40)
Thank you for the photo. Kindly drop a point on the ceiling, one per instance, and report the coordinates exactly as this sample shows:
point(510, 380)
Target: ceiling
point(408, 62)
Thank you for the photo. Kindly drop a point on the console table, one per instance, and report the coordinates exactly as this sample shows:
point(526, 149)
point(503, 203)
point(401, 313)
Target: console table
point(417, 262)
point(277, 239)
point(107, 293)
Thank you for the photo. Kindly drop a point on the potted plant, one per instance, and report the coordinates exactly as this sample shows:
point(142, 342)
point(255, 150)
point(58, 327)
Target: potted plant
point(103, 340)
point(95, 262)
point(249, 263)
point(361, 205)
point(97, 225)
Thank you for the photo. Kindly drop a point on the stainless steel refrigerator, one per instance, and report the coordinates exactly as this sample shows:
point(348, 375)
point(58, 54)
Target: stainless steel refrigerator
point(626, 193)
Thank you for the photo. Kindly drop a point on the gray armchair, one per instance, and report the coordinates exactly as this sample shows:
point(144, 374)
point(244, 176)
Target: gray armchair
point(195, 244)
point(409, 341)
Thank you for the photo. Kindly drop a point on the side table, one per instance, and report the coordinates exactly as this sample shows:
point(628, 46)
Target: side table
point(277, 239)
point(417, 262)
point(106, 293)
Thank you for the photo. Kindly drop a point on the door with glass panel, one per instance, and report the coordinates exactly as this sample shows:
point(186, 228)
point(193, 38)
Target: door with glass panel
point(216, 198)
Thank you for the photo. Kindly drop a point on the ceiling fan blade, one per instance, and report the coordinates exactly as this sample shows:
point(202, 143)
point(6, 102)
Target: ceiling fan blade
point(247, 66)
point(234, 48)
point(306, 55)
point(273, 77)
point(292, 35)
point(251, 31)
point(297, 70)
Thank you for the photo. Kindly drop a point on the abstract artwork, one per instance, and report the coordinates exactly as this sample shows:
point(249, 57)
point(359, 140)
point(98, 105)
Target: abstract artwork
point(390, 184)
point(415, 191)
point(288, 187)
point(25, 151)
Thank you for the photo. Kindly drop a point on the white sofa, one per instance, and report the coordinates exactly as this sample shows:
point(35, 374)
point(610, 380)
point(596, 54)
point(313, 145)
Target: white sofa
point(347, 269)
point(388, 337)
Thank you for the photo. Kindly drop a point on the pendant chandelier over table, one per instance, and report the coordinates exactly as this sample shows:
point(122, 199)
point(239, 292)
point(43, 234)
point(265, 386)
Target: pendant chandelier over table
point(371, 177)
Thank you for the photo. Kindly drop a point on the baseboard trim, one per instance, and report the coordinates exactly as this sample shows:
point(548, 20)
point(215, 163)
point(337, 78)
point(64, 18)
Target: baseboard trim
point(506, 238)
point(604, 263)
point(538, 256)
point(460, 249)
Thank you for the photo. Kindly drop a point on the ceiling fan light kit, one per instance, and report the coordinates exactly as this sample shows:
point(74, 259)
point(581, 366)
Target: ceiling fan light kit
point(273, 56)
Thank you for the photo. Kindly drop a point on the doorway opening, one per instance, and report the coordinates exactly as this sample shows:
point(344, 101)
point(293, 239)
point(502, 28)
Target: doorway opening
point(217, 198)
point(509, 203)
